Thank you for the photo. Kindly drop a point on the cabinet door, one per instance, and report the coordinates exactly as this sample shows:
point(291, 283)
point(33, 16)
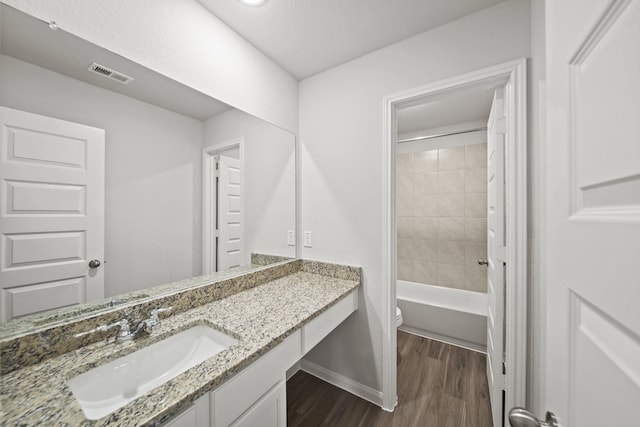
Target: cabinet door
point(269, 411)
point(238, 395)
point(196, 416)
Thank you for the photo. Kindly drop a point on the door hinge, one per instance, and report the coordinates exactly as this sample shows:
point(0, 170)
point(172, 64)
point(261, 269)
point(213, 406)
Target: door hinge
point(501, 125)
point(504, 368)
point(501, 253)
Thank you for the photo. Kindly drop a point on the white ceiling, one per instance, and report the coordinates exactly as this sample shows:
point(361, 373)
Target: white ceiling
point(310, 36)
point(450, 110)
point(28, 39)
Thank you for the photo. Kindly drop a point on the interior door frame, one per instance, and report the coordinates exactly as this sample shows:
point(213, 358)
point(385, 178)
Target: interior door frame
point(512, 75)
point(209, 201)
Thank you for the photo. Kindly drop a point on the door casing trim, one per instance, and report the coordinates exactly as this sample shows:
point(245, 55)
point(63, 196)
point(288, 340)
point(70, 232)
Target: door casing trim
point(511, 75)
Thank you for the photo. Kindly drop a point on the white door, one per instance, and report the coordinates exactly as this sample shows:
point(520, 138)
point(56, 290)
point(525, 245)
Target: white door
point(495, 255)
point(51, 213)
point(591, 240)
point(229, 214)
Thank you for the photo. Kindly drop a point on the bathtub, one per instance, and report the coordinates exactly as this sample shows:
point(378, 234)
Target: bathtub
point(451, 315)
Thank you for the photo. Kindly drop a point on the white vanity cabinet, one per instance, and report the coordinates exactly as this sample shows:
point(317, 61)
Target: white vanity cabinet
point(197, 415)
point(253, 385)
point(269, 411)
point(256, 397)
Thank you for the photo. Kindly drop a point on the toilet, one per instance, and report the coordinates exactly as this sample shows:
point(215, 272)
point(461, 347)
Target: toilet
point(398, 317)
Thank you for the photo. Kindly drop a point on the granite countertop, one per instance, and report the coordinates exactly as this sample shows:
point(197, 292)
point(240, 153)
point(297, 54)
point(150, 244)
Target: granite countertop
point(260, 318)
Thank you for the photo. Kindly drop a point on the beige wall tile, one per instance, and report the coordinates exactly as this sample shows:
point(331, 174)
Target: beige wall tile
point(475, 278)
point(475, 180)
point(475, 156)
point(405, 227)
point(426, 205)
point(451, 158)
point(451, 253)
point(404, 163)
point(426, 183)
point(425, 272)
point(475, 230)
point(405, 184)
point(451, 181)
point(425, 228)
point(473, 252)
point(475, 205)
point(406, 249)
point(404, 206)
point(442, 207)
point(426, 161)
point(405, 270)
point(451, 229)
point(451, 276)
point(425, 250)
point(451, 205)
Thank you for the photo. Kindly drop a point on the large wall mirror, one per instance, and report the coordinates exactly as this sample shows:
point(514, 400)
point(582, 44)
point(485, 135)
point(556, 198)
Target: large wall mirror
point(191, 186)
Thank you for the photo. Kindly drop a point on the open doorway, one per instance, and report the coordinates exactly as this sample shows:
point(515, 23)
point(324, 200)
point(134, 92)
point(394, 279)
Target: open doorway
point(223, 206)
point(508, 79)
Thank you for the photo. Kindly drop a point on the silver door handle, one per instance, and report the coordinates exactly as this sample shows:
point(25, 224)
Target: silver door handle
point(483, 261)
point(94, 263)
point(520, 417)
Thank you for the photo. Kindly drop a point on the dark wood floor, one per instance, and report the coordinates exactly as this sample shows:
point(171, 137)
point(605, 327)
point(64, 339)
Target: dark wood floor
point(439, 385)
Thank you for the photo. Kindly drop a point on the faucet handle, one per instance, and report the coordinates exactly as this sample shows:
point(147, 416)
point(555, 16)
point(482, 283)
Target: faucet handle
point(155, 319)
point(124, 333)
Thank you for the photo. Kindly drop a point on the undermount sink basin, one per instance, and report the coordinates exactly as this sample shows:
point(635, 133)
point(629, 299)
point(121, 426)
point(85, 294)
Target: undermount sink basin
point(108, 387)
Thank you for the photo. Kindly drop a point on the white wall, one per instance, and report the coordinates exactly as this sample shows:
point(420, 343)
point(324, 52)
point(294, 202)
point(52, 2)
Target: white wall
point(184, 41)
point(341, 115)
point(269, 160)
point(153, 173)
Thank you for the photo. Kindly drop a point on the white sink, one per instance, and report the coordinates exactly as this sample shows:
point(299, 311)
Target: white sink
point(108, 387)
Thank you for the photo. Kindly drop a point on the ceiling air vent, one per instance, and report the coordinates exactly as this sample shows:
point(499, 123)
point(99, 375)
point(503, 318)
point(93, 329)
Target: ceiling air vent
point(109, 73)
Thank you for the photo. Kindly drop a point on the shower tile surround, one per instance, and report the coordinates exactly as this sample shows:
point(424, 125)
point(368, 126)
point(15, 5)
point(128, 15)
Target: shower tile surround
point(260, 309)
point(442, 216)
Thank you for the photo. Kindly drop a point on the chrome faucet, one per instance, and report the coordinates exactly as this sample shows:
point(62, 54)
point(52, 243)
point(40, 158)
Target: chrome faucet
point(149, 325)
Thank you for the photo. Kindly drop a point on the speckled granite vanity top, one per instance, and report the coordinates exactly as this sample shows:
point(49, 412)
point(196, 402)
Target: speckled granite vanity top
point(260, 317)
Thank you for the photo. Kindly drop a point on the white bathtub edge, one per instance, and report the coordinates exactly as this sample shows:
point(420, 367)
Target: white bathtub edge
point(451, 315)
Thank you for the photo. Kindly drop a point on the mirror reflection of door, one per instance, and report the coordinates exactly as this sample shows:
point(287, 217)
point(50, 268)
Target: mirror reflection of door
point(229, 219)
point(52, 219)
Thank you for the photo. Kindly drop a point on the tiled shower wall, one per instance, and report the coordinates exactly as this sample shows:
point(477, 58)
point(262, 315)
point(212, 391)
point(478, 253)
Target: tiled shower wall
point(442, 217)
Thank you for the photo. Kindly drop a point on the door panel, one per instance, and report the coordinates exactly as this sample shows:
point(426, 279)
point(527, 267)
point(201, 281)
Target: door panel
point(43, 248)
point(51, 213)
point(230, 225)
point(38, 198)
point(592, 236)
point(28, 299)
point(495, 244)
point(35, 146)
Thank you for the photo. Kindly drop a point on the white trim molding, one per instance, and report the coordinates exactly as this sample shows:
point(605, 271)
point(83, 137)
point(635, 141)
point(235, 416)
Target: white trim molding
point(209, 203)
point(362, 391)
point(512, 76)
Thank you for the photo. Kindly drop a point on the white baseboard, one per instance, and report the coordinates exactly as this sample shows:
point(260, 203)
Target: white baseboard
point(442, 338)
point(293, 370)
point(340, 381)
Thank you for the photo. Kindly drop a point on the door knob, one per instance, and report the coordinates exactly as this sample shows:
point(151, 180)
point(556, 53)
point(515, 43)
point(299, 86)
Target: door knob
point(483, 261)
point(520, 417)
point(94, 263)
